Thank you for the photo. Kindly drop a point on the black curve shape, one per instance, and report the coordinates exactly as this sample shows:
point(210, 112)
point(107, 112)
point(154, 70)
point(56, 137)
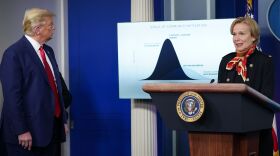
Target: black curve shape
point(168, 66)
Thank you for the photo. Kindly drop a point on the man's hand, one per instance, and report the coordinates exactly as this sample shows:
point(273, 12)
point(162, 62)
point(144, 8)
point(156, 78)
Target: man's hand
point(25, 140)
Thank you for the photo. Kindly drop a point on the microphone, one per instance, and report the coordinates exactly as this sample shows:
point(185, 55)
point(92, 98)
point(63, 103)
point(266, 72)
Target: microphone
point(212, 81)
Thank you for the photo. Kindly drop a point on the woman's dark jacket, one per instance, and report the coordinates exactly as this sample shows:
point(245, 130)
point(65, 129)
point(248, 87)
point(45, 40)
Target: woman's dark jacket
point(260, 72)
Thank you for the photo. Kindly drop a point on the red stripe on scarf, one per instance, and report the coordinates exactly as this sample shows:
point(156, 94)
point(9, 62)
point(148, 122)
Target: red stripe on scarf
point(240, 63)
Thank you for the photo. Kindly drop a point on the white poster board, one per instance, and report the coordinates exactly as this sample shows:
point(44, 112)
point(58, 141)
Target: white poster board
point(170, 51)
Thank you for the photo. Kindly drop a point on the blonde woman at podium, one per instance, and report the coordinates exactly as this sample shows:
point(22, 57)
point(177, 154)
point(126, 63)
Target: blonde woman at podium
point(250, 66)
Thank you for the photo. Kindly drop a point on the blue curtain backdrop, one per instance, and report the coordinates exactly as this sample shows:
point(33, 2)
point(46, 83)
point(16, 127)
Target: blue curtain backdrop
point(101, 121)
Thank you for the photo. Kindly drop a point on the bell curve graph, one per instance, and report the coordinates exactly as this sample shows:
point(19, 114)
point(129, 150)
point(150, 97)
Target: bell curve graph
point(168, 66)
point(170, 52)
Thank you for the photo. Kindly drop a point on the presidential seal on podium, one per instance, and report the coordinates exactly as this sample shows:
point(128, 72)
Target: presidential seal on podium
point(190, 106)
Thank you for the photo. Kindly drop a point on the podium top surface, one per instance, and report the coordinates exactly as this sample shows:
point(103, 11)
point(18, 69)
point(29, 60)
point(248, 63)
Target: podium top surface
point(201, 87)
point(211, 88)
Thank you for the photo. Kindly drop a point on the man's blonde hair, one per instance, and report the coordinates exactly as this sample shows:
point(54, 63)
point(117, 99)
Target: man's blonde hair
point(34, 17)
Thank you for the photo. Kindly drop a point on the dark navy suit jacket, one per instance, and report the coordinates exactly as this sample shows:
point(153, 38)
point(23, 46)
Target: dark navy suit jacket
point(28, 98)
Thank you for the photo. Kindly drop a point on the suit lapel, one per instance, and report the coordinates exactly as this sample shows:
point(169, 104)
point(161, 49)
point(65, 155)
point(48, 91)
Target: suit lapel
point(35, 58)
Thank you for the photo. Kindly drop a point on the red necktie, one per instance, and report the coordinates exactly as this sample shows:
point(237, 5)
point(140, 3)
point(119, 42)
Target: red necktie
point(51, 81)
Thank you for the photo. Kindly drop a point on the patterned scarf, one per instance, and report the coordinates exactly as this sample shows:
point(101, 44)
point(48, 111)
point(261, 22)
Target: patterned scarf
point(240, 62)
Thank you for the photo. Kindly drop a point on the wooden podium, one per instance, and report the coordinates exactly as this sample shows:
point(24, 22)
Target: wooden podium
point(234, 114)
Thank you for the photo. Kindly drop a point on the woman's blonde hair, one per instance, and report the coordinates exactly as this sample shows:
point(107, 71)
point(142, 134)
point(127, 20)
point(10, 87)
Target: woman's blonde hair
point(254, 28)
point(34, 17)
